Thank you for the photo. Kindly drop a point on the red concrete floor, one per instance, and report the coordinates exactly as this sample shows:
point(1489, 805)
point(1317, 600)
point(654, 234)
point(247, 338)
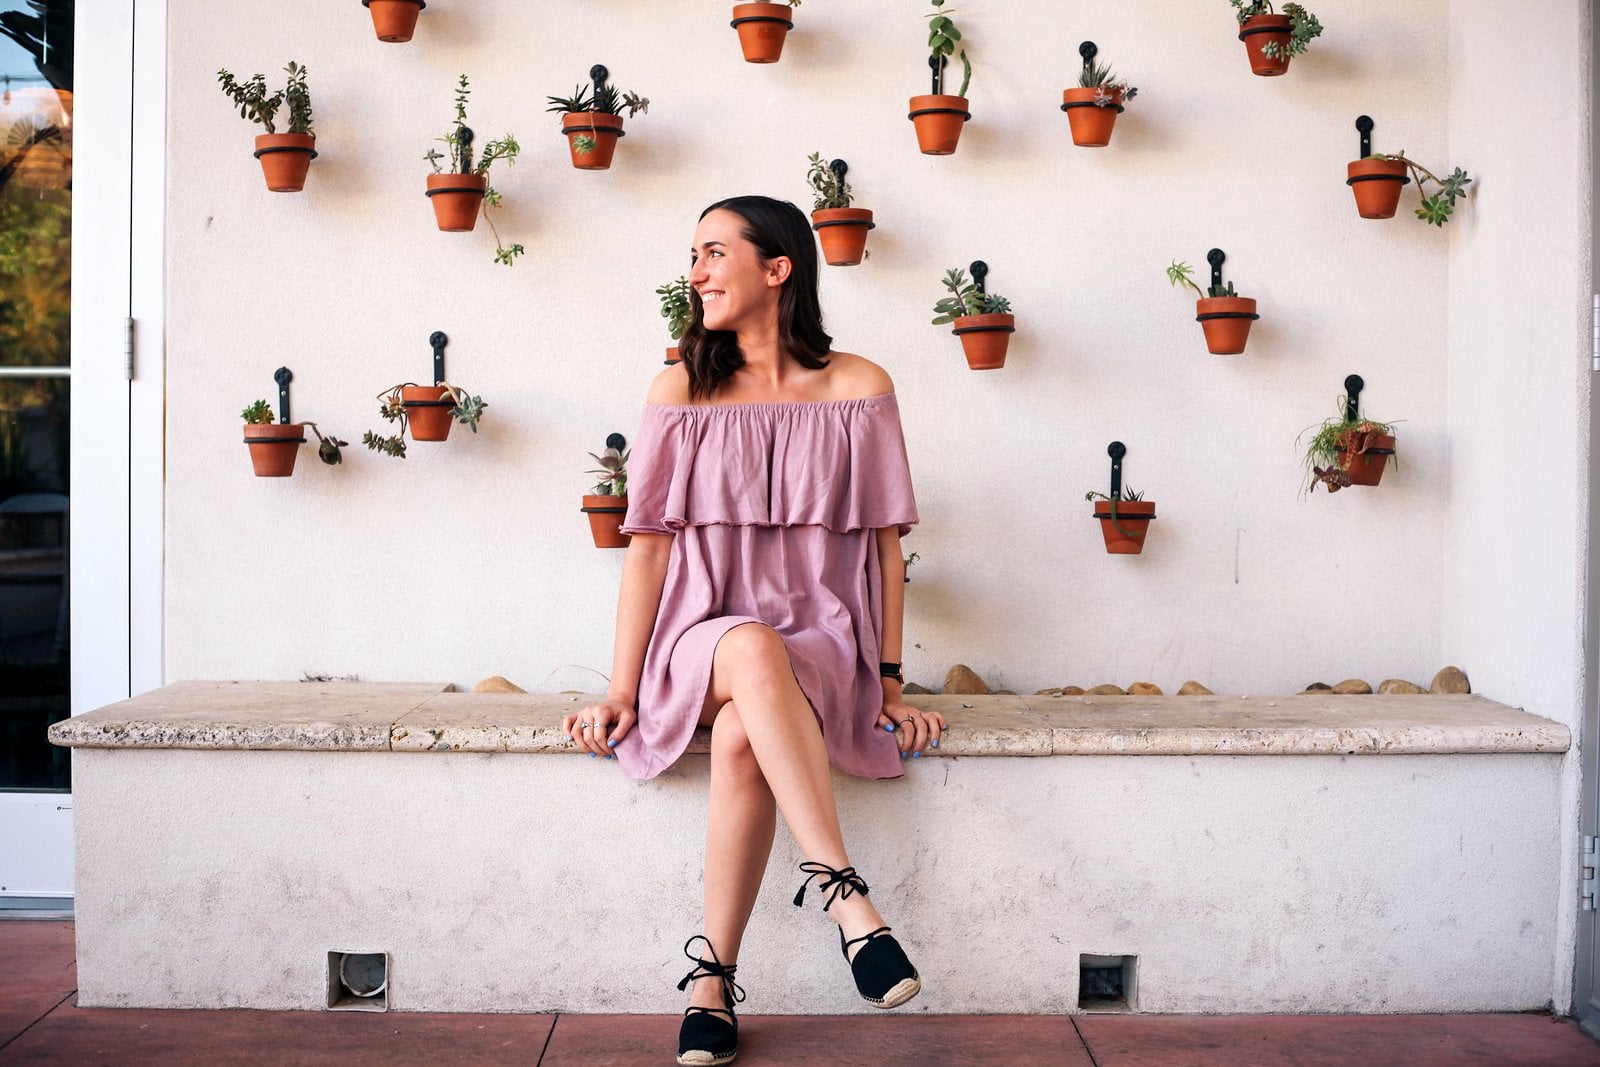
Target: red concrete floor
point(41, 1024)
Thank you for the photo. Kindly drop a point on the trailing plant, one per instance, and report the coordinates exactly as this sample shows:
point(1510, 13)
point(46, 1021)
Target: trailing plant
point(613, 472)
point(1435, 209)
point(965, 299)
point(1181, 274)
point(259, 414)
point(1129, 496)
point(675, 306)
point(460, 158)
point(1303, 26)
point(942, 38)
point(467, 410)
point(1098, 76)
point(254, 103)
point(1324, 446)
point(828, 189)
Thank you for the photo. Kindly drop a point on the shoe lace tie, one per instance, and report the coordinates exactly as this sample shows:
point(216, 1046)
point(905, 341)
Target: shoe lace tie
point(841, 883)
point(732, 992)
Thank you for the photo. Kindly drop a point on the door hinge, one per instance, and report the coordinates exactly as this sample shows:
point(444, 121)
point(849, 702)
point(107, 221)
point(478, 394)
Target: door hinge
point(127, 343)
point(1586, 887)
point(1594, 333)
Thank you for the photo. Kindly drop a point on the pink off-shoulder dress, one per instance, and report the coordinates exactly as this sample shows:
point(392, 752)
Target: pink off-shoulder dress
point(773, 510)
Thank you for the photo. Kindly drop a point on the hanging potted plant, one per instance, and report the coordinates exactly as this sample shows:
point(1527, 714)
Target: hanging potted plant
point(1376, 182)
point(462, 192)
point(842, 229)
point(427, 411)
point(285, 157)
point(938, 117)
point(1223, 314)
point(394, 20)
point(763, 28)
point(1124, 520)
point(1346, 450)
point(677, 310)
point(1270, 39)
point(982, 320)
point(274, 446)
point(1092, 108)
point(607, 506)
point(592, 119)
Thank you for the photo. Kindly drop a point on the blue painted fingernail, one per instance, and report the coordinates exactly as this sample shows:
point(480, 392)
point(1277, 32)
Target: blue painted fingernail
point(613, 744)
point(916, 755)
point(591, 755)
point(889, 729)
point(902, 755)
point(935, 742)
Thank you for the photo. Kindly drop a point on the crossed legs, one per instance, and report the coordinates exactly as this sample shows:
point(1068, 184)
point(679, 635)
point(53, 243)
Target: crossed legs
point(766, 755)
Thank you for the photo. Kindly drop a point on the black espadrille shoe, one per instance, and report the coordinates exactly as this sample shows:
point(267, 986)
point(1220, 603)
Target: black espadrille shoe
point(705, 1038)
point(884, 976)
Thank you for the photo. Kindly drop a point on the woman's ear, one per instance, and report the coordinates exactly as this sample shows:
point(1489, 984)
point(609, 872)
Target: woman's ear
point(778, 271)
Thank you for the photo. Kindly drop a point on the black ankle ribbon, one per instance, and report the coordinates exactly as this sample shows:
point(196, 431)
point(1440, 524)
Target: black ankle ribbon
point(732, 992)
point(843, 883)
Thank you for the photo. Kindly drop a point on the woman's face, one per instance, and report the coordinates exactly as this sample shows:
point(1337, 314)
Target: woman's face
point(737, 290)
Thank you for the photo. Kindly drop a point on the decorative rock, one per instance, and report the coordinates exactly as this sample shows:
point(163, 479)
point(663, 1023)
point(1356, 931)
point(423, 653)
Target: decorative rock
point(1317, 687)
point(496, 684)
point(1107, 690)
point(1005, 693)
point(1353, 685)
point(1399, 685)
point(1145, 689)
point(1194, 689)
point(964, 680)
point(1072, 690)
point(1047, 692)
point(1450, 680)
point(911, 689)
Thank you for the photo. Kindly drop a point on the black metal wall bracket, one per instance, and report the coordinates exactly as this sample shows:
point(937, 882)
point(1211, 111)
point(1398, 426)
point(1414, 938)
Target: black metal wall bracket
point(760, 18)
point(1088, 50)
point(437, 340)
point(1116, 451)
point(980, 271)
point(1364, 126)
point(283, 376)
point(598, 74)
point(616, 441)
point(1217, 257)
point(1352, 396)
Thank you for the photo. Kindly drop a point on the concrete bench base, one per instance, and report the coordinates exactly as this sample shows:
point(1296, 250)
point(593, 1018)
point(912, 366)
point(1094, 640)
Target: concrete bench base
point(519, 882)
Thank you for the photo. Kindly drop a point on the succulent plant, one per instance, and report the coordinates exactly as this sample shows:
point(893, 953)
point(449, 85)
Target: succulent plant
point(828, 189)
point(258, 413)
point(1098, 76)
point(468, 410)
point(1181, 274)
point(1435, 209)
point(1303, 26)
point(613, 472)
point(966, 299)
point(675, 306)
point(255, 105)
point(942, 38)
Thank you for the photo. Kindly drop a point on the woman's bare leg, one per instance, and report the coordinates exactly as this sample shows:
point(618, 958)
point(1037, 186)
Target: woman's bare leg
point(751, 669)
point(740, 821)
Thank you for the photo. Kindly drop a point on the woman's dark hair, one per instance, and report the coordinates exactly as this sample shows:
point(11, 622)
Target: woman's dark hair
point(776, 228)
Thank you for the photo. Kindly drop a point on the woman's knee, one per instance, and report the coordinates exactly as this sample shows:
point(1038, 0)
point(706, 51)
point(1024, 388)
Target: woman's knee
point(756, 653)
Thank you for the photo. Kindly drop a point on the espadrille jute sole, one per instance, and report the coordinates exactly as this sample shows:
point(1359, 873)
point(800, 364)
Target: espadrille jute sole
point(899, 994)
point(699, 1058)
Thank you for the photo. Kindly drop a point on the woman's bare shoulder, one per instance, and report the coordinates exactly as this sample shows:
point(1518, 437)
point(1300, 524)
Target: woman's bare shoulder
point(857, 376)
point(670, 387)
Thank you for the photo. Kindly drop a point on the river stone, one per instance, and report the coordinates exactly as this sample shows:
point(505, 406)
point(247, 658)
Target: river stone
point(1072, 690)
point(1316, 687)
point(1047, 692)
point(1145, 689)
point(1353, 685)
point(1450, 680)
point(496, 684)
point(912, 689)
point(963, 679)
point(1399, 685)
point(1108, 690)
point(1194, 689)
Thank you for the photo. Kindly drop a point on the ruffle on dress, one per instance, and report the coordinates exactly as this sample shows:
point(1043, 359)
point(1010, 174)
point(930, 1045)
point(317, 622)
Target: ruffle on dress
point(840, 464)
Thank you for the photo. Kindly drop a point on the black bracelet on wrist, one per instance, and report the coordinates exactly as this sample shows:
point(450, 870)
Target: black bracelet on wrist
point(891, 670)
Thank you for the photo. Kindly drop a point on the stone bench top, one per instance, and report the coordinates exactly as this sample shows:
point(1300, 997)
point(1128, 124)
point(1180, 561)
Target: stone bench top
point(404, 717)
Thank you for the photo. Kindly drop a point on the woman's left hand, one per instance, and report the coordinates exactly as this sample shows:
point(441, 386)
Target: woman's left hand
point(915, 726)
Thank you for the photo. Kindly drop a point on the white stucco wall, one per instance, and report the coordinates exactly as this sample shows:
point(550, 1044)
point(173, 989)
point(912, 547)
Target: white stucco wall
point(1517, 382)
point(1242, 585)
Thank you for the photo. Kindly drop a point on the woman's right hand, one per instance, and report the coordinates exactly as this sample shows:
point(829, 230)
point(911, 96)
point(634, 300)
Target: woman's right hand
point(609, 722)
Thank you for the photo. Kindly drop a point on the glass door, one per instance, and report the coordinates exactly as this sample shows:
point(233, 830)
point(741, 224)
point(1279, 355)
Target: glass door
point(59, 603)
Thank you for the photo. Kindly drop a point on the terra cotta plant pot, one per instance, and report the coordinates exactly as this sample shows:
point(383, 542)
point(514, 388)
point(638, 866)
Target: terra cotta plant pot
point(762, 30)
point(1226, 321)
point(274, 446)
point(1134, 517)
point(286, 159)
point(394, 20)
point(605, 517)
point(1256, 32)
point(673, 356)
point(603, 129)
point(457, 199)
point(1363, 456)
point(1091, 124)
point(1376, 183)
point(843, 233)
point(984, 338)
point(427, 412)
point(938, 119)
